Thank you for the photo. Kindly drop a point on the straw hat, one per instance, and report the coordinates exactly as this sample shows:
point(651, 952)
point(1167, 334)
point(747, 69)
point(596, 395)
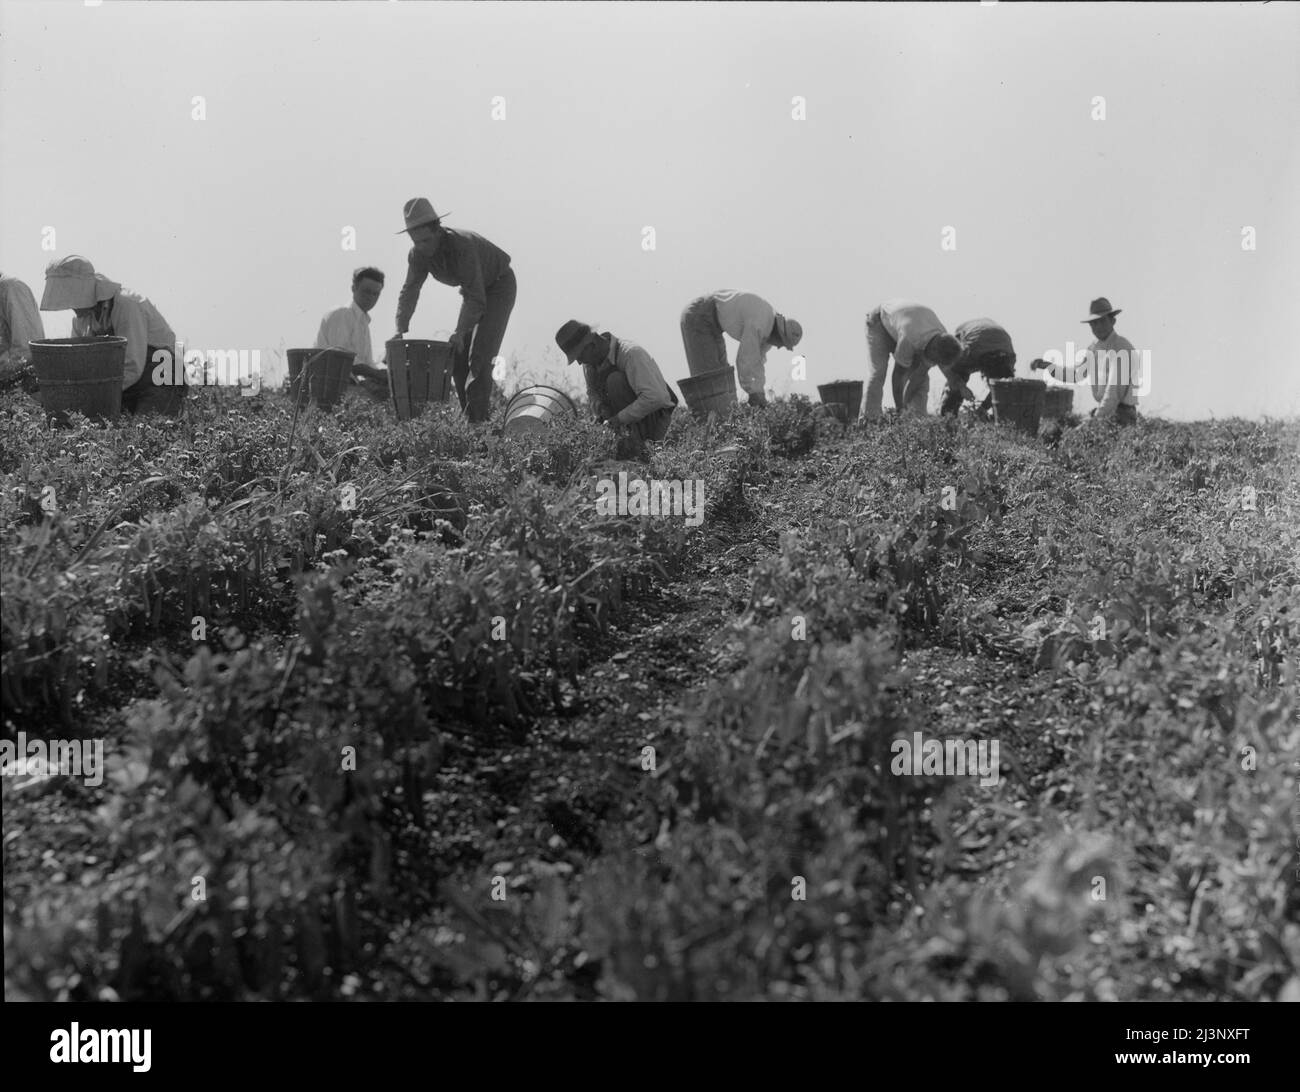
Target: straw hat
point(72, 283)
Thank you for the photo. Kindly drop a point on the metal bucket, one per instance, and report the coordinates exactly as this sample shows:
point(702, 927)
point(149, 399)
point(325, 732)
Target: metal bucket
point(710, 392)
point(843, 398)
point(1018, 402)
point(328, 372)
point(532, 410)
point(419, 372)
point(81, 374)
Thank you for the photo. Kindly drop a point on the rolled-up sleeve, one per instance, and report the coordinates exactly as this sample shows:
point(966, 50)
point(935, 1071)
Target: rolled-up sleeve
point(409, 296)
point(645, 379)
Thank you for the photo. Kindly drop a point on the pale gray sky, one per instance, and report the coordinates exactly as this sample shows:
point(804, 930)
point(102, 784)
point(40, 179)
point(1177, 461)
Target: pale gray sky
point(618, 117)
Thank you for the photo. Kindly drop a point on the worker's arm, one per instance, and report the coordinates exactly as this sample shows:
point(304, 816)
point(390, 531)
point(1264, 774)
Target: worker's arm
point(644, 377)
point(409, 296)
point(129, 322)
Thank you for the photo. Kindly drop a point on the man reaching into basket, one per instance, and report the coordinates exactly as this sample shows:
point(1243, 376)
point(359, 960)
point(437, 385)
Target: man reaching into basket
point(625, 387)
point(152, 379)
point(481, 270)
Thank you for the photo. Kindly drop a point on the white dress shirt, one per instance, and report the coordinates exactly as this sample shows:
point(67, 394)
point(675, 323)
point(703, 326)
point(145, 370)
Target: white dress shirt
point(347, 328)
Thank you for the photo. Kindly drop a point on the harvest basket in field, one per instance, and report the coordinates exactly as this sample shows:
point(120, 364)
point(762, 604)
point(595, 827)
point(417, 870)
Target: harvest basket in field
point(710, 392)
point(81, 374)
point(327, 373)
point(1018, 402)
point(419, 372)
point(843, 398)
point(1058, 402)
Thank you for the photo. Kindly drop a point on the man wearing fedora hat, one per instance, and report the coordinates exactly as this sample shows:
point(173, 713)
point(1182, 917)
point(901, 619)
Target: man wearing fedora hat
point(1111, 365)
point(748, 318)
point(151, 381)
point(481, 270)
point(913, 334)
point(625, 387)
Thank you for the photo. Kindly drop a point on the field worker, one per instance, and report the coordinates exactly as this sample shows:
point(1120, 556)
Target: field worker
point(20, 320)
point(349, 327)
point(748, 318)
point(152, 381)
point(1112, 365)
point(918, 341)
point(625, 387)
point(985, 348)
point(482, 271)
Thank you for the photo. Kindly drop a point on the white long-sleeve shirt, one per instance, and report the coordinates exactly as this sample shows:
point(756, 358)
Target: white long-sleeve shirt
point(135, 318)
point(1112, 367)
point(747, 318)
point(347, 328)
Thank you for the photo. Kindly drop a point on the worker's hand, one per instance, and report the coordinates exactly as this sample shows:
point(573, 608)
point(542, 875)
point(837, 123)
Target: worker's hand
point(399, 335)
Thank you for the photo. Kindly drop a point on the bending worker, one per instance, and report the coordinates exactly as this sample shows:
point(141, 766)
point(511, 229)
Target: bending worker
point(985, 348)
point(748, 318)
point(918, 341)
point(482, 272)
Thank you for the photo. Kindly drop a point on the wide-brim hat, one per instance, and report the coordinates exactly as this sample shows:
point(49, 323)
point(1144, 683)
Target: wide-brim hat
point(1101, 308)
point(71, 283)
point(417, 211)
point(788, 331)
point(569, 336)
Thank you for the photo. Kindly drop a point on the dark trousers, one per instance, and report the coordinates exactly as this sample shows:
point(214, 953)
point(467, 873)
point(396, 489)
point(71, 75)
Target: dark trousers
point(147, 395)
point(471, 371)
point(619, 395)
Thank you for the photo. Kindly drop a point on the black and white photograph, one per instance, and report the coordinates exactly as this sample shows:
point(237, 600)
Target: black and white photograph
point(652, 502)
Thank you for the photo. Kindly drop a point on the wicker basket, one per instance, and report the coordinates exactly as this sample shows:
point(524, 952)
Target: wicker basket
point(842, 398)
point(710, 392)
point(1019, 402)
point(80, 374)
point(1058, 402)
point(419, 372)
point(328, 373)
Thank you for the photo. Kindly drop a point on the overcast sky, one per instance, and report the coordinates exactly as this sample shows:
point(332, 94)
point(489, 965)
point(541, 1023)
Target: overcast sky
point(680, 117)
